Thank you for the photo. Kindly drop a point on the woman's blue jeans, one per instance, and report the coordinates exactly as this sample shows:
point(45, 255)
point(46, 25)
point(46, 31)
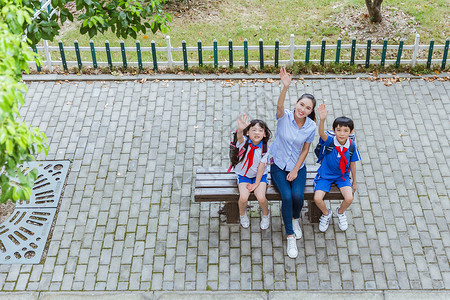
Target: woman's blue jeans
point(292, 194)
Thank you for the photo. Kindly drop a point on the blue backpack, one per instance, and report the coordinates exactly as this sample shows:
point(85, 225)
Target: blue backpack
point(323, 148)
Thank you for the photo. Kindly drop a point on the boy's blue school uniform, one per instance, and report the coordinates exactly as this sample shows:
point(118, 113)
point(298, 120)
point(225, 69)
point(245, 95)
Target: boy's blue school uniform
point(330, 172)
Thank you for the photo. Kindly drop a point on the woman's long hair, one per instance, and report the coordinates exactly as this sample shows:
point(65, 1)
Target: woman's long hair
point(312, 115)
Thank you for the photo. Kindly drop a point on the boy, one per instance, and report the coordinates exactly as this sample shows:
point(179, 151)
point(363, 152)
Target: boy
point(335, 168)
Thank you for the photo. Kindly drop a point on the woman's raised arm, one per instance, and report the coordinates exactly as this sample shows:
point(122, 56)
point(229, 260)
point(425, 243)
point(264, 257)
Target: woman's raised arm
point(286, 80)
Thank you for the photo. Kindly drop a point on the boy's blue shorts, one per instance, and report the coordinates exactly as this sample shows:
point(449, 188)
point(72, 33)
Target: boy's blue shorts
point(242, 179)
point(323, 184)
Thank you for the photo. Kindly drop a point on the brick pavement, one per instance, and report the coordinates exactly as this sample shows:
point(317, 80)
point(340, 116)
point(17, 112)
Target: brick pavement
point(127, 219)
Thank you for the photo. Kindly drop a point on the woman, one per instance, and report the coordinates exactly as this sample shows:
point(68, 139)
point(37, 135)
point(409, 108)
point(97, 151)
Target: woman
point(295, 133)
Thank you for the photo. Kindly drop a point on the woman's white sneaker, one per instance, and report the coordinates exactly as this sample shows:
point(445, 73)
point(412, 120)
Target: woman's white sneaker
point(297, 229)
point(292, 251)
point(325, 221)
point(342, 220)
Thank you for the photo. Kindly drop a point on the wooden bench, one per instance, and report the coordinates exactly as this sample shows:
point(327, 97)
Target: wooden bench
point(215, 184)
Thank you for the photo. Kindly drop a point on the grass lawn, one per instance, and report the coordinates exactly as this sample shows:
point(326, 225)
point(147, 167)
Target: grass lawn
point(270, 20)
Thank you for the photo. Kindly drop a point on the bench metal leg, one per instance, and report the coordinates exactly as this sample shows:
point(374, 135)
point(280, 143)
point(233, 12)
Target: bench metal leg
point(314, 212)
point(231, 212)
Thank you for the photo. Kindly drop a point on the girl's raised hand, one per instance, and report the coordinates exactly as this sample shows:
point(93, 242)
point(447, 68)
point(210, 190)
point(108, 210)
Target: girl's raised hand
point(285, 77)
point(242, 122)
point(323, 112)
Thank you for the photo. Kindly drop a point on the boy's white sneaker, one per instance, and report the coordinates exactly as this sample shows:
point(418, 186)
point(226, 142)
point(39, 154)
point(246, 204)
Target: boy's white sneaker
point(292, 251)
point(245, 222)
point(325, 221)
point(297, 229)
point(342, 220)
point(265, 221)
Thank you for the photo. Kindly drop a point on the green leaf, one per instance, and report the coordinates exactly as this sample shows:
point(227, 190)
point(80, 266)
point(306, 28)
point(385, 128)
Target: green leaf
point(9, 146)
point(79, 4)
point(92, 32)
point(83, 30)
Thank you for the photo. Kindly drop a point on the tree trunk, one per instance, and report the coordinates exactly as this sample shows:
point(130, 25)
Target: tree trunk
point(374, 8)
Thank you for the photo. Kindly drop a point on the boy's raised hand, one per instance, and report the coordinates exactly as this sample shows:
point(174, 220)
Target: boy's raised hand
point(323, 112)
point(285, 77)
point(242, 122)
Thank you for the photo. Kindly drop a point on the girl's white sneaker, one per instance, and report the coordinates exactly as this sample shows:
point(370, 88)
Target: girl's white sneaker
point(265, 221)
point(245, 222)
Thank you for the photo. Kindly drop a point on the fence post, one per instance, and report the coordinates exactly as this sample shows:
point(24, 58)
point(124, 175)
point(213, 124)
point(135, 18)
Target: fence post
point(47, 56)
point(200, 54)
point(369, 46)
point(292, 48)
point(63, 56)
point(185, 59)
point(77, 51)
point(169, 52)
point(139, 56)
point(155, 62)
point(108, 54)
point(430, 53)
point(216, 58)
point(38, 63)
point(308, 49)
point(230, 52)
point(261, 54)
point(399, 53)
point(352, 55)
point(383, 54)
point(444, 57)
point(94, 57)
point(277, 49)
point(124, 56)
point(322, 52)
point(416, 51)
point(338, 50)
point(246, 53)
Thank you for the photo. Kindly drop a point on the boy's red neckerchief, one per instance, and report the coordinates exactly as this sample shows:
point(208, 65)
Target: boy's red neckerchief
point(343, 163)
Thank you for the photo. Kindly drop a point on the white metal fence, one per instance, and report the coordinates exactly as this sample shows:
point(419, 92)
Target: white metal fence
point(405, 54)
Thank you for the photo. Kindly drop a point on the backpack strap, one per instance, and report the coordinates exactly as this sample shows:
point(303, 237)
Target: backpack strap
point(351, 149)
point(240, 154)
point(328, 146)
point(264, 149)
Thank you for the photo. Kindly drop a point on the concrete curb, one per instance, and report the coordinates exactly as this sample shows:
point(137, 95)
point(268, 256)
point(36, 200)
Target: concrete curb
point(232, 295)
point(235, 76)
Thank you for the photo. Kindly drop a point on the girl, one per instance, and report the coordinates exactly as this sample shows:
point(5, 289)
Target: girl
point(295, 133)
point(251, 168)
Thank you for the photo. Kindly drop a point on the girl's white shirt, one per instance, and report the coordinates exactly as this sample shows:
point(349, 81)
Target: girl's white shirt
point(257, 159)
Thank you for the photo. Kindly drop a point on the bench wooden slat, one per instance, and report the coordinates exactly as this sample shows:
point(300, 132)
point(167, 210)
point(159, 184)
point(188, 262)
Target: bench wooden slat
point(232, 183)
point(226, 176)
point(222, 170)
point(232, 194)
